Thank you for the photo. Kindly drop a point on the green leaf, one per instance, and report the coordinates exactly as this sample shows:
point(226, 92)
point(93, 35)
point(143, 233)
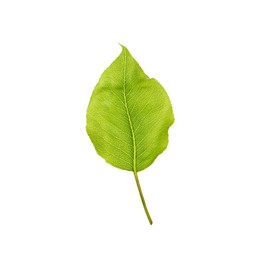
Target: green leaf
point(128, 117)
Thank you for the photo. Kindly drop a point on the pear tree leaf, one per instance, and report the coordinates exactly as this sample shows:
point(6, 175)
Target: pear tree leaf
point(128, 117)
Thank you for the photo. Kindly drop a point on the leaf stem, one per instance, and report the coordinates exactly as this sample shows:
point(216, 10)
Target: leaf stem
point(142, 198)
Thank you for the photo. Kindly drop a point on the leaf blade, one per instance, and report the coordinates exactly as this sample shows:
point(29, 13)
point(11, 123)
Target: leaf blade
point(124, 106)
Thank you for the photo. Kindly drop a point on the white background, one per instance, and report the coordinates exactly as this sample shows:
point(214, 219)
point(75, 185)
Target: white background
point(60, 200)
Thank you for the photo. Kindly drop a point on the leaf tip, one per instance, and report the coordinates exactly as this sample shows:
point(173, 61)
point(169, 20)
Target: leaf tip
point(123, 47)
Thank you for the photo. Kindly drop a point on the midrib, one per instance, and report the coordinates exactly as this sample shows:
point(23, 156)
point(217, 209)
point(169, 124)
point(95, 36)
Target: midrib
point(128, 115)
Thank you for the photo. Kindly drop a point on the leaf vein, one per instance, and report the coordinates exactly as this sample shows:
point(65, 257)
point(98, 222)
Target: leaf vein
point(129, 118)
